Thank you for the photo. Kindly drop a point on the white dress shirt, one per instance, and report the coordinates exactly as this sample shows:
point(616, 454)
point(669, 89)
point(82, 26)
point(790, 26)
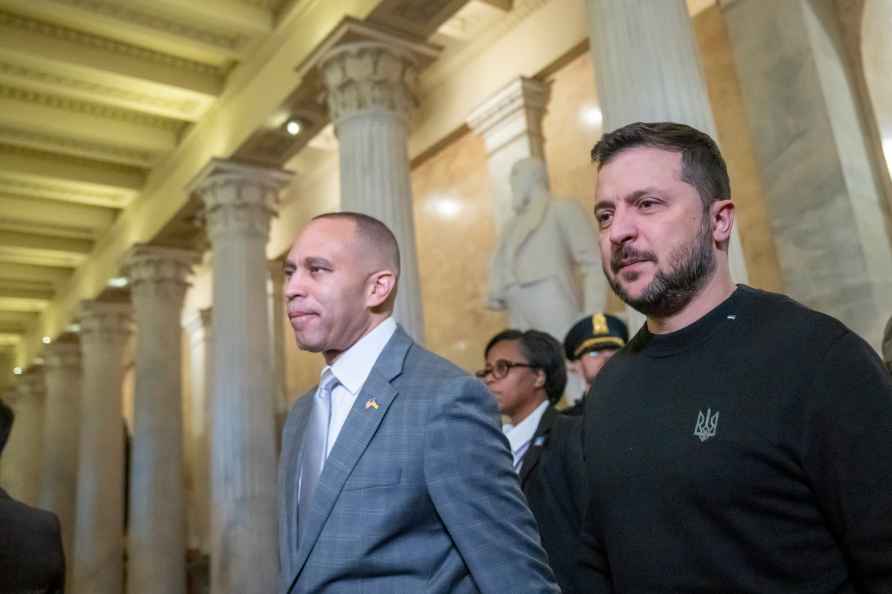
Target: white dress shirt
point(352, 369)
point(520, 435)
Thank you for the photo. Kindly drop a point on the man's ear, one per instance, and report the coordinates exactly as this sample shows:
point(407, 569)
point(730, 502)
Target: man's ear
point(722, 214)
point(380, 287)
point(540, 378)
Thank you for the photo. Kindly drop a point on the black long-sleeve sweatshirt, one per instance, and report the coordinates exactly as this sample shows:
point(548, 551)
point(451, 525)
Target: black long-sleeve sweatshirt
point(750, 452)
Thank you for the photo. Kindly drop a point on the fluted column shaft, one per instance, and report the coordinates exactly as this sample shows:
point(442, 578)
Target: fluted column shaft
point(370, 97)
point(58, 491)
point(23, 455)
point(648, 70)
point(99, 525)
point(157, 532)
point(239, 201)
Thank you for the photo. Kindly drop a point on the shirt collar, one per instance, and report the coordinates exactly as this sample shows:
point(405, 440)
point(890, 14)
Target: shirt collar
point(355, 364)
point(524, 431)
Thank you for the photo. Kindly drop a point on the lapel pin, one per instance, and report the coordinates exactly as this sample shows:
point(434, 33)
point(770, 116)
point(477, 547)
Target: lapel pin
point(371, 403)
point(539, 441)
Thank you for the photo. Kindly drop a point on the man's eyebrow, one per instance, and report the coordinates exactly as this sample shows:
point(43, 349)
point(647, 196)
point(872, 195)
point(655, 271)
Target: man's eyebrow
point(317, 262)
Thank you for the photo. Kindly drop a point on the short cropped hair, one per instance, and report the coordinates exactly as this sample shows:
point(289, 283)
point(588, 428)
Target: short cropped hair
point(6, 419)
point(373, 231)
point(542, 351)
point(702, 165)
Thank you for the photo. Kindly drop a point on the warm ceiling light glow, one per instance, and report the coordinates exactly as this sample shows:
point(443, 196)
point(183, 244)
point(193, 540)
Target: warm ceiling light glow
point(17, 371)
point(46, 340)
point(446, 207)
point(75, 328)
point(293, 126)
point(117, 282)
point(591, 115)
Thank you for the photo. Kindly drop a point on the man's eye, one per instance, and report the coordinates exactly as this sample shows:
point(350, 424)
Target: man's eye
point(603, 218)
point(647, 204)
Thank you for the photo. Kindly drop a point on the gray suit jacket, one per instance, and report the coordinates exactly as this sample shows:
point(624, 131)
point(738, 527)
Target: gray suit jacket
point(417, 495)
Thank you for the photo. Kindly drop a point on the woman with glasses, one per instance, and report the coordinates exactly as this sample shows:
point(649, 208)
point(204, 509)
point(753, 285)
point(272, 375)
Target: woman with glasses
point(526, 374)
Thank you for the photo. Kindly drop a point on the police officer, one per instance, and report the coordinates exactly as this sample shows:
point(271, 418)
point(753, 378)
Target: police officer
point(589, 345)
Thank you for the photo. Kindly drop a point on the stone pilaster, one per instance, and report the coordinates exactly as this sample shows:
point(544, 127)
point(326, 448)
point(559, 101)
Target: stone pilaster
point(23, 454)
point(510, 123)
point(828, 214)
point(239, 201)
point(647, 70)
point(371, 93)
point(99, 527)
point(157, 531)
point(58, 491)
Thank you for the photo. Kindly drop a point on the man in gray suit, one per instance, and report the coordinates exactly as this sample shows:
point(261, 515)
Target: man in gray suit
point(394, 477)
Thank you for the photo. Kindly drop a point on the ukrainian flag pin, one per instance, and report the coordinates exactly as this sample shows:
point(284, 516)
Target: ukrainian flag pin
point(371, 403)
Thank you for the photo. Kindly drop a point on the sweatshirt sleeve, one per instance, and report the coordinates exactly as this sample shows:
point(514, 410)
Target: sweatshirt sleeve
point(847, 454)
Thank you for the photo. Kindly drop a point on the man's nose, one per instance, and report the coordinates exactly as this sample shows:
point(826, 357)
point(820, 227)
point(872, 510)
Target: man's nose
point(622, 228)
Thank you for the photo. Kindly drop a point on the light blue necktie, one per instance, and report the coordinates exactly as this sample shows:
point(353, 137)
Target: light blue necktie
point(315, 445)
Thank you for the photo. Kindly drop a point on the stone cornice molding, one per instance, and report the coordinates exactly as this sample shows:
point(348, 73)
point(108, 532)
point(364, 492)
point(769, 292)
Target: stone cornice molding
point(238, 198)
point(515, 109)
point(187, 107)
point(81, 148)
point(369, 77)
point(104, 323)
point(159, 272)
point(122, 12)
point(12, 21)
point(93, 109)
point(62, 355)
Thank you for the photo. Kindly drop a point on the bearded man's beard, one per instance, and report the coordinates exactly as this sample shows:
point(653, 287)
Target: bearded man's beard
point(690, 266)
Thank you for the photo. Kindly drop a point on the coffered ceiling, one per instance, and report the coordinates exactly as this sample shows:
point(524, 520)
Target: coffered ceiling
point(93, 95)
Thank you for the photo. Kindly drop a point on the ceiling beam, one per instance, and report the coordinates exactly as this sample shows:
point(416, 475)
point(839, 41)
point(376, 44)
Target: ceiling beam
point(51, 217)
point(123, 63)
point(25, 163)
point(43, 250)
point(49, 275)
point(89, 123)
point(230, 15)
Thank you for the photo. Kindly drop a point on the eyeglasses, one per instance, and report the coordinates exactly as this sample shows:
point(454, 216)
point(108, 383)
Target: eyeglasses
point(501, 368)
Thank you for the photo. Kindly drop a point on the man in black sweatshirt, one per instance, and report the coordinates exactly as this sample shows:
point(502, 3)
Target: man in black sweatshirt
point(740, 443)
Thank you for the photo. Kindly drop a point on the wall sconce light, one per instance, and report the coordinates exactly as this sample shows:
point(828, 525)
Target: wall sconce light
point(293, 126)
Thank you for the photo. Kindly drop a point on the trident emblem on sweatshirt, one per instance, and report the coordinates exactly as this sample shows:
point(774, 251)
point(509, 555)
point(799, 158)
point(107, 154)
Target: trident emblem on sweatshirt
point(706, 424)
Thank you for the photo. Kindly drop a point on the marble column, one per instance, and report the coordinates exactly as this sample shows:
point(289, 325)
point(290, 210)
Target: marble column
point(239, 201)
point(828, 213)
point(157, 531)
point(510, 123)
point(277, 322)
point(370, 90)
point(647, 69)
point(22, 458)
point(201, 351)
point(58, 491)
point(99, 523)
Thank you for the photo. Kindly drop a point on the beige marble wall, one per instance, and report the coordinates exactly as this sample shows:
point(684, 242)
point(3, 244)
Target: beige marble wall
point(752, 221)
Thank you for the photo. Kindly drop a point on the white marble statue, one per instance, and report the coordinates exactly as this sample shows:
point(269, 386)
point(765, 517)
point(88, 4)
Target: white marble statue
point(543, 249)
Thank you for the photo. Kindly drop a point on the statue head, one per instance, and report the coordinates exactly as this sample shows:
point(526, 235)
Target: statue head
point(529, 179)
point(887, 345)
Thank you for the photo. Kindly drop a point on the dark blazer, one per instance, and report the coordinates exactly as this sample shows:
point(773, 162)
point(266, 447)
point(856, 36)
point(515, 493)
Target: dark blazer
point(31, 557)
point(552, 479)
point(418, 493)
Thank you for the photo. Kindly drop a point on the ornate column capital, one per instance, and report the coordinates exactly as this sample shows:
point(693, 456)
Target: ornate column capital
point(369, 76)
point(62, 355)
point(238, 198)
point(159, 271)
point(514, 110)
point(103, 322)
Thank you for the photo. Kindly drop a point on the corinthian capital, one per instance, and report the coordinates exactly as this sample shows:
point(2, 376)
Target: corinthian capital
point(368, 77)
point(104, 323)
point(158, 271)
point(238, 198)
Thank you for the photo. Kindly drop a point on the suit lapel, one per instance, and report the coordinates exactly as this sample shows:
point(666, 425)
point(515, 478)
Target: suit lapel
point(362, 422)
point(537, 445)
point(292, 437)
